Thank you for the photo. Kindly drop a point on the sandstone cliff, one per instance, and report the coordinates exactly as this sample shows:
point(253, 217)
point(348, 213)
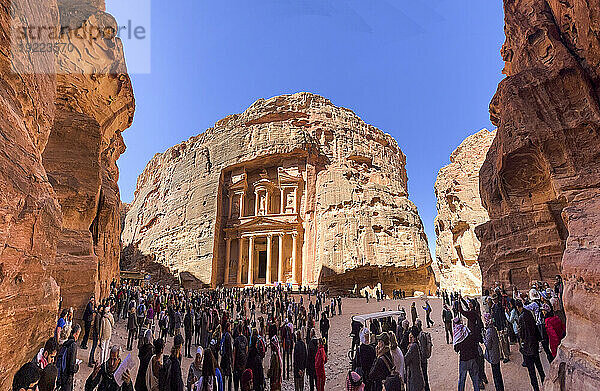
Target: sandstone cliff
point(459, 212)
point(354, 208)
point(541, 179)
point(60, 137)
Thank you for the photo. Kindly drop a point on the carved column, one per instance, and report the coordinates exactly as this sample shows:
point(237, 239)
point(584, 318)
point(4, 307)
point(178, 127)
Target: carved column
point(256, 202)
point(282, 199)
point(269, 245)
point(295, 199)
point(230, 204)
point(239, 265)
point(280, 264)
point(294, 257)
point(227, 260)
point(251, 261)
point(242, 202)
point(267, 202)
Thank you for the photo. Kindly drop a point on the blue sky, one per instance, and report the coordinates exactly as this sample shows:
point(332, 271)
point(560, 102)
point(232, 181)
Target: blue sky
point(423, 71)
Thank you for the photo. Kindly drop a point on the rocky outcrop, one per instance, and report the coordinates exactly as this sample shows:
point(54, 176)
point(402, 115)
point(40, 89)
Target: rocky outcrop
point(59, 139)
point(354, 208)
point(541, 179)
point(30, 217)
point(459, 212)
point(94, 104)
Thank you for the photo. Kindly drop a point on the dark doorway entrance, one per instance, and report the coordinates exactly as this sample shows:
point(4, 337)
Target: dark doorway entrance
point(262, 264)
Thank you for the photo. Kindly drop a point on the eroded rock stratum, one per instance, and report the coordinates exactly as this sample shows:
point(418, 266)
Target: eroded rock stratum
point(293, 190)
point(540, 182)
point(459, 212)
point(60, 135)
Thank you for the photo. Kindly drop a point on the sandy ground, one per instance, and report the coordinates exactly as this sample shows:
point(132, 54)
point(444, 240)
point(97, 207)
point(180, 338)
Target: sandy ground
point(443, 365)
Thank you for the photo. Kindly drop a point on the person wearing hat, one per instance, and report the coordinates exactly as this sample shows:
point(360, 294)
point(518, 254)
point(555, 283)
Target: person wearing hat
point(555, 328)
point(195, 371)
point(384, 364)
point(354, 382)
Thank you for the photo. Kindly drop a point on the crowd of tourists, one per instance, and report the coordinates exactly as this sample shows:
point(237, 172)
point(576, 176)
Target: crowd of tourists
point(393, 355)
point(229, 333)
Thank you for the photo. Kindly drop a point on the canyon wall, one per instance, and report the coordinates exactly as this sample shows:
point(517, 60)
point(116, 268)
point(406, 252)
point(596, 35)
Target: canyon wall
point(459, 212)
point(62, 114)
point(354, 209)
point(540, 182)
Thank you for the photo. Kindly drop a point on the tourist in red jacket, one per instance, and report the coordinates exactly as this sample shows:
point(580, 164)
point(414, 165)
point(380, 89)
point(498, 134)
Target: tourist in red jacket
point(554, 327)
point(320, 360)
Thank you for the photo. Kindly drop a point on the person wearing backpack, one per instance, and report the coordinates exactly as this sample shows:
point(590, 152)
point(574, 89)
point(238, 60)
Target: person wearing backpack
point(240, 356)
point(170, 377)
point(255, 360)
point(66, 361)
point(226, 355)
point(425, 348)
point(384, 363)
point(300, 357)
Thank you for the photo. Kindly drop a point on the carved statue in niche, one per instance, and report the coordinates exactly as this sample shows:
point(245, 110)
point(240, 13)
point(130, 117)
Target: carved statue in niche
point(235, 207)
point(290, 202)
point(262, 206)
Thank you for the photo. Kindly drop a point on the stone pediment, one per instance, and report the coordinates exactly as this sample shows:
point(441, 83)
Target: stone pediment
point(288, 176)
point(265, 223)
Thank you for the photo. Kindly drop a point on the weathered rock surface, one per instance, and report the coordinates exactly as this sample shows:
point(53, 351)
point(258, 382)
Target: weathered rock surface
point(59, 140)
point(459, 212)
point(94, 104)
point(541, 179)
point(30, 217)
point(354, 206)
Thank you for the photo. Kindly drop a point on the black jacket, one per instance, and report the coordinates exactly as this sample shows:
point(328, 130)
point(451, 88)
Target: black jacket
point(145, 355)
point(300, 357)
point(381, 369)
point(365, 358)
point(88, 314)
point(71, 359)
point(313, 346)
point(529, 334)
point(469, 348)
